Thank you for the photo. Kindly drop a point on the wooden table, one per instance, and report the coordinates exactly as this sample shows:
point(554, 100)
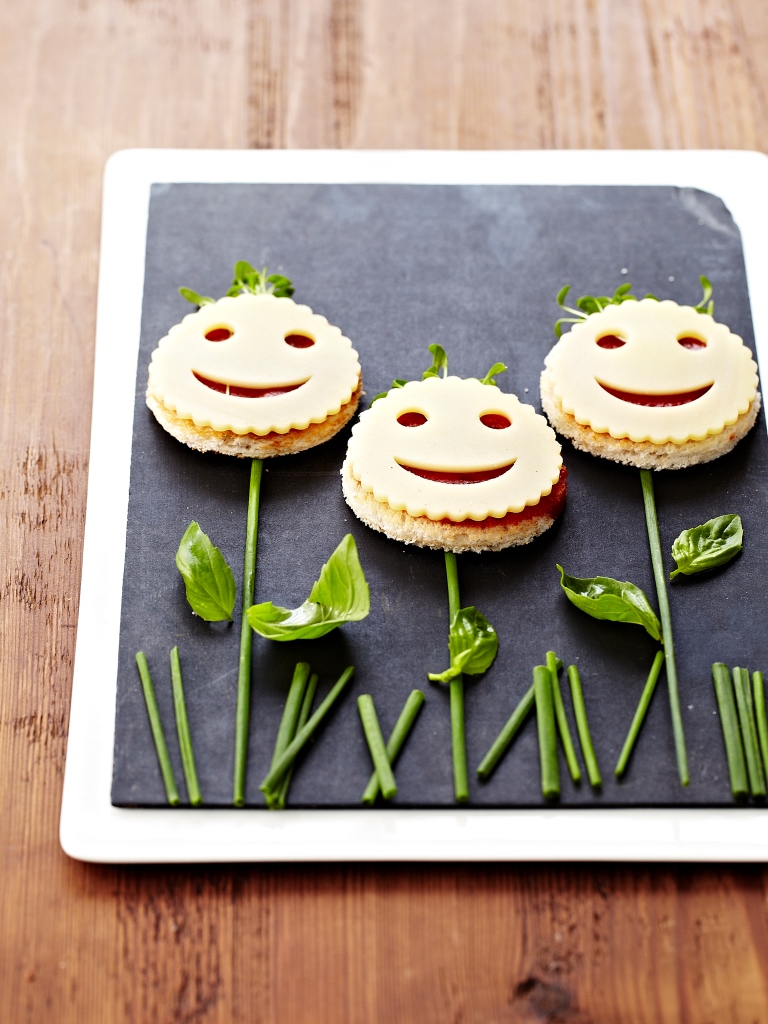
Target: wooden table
point(433, 945)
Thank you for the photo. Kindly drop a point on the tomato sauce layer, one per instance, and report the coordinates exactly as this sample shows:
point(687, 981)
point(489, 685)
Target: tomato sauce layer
point(550, 505)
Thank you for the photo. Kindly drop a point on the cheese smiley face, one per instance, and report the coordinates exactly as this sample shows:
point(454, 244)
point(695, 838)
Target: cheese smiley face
point(452, 449)
point(253, 365)
point(652, 372)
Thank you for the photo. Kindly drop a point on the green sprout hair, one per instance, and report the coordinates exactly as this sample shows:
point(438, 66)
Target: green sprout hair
point(246, 280)
point(439, 368)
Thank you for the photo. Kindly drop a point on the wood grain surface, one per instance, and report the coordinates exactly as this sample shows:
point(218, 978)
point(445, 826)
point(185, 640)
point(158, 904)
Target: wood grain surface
point(310, 945)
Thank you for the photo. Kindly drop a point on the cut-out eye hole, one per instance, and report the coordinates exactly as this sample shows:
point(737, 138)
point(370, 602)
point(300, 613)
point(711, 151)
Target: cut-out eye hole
point(219, 334)
point(412, 419)
point(496, 421)
point(611, 341)
point(690, 342)
point(299, 341)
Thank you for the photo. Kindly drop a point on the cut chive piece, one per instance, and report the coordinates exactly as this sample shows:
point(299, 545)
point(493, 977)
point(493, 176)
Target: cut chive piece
point(507, 734)
point(306, 708)
point(748, 731)
point(396, 740)
point(302, 737)
point(554, 664)
point(545, 720)
point(458, 738)
point(287, 728)
point(580, 711)
point(762, 723)
point(376, 746)
point(637, 721)
point(243, 713)
point(182, 728)
point(729, 721)
point(158, 735)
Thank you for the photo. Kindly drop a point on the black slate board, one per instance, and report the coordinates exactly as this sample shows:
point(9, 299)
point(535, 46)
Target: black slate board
point(475, 268)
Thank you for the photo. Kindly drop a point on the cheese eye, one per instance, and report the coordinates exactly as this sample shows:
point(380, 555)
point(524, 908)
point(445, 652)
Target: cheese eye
point(496, 421)
point(611, 341)
point(299, 341)
point(219, 333)
point(688, 341)
point(412, 419)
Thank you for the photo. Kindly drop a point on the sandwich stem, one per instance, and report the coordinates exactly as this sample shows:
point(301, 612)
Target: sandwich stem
point(458, 738)
point(654, 541)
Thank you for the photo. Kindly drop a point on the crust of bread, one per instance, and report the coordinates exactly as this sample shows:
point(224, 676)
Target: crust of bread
point(442, 535)
point(253, 446)
point(645, 454)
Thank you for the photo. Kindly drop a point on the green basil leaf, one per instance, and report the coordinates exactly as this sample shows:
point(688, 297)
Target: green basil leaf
point(604, 598)
point(195, 298)
point(340, 595)
point(208, 579)
point(707, 546)
point(473, 644)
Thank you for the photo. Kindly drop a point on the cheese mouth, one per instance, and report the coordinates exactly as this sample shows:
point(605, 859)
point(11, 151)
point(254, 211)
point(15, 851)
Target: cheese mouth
point(462, 476)
point(659, 401)
point(238, 391)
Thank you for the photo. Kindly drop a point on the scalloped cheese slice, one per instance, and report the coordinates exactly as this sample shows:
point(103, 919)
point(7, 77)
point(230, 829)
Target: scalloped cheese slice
point(652, 362)
point(453, 439)
point(255, 357)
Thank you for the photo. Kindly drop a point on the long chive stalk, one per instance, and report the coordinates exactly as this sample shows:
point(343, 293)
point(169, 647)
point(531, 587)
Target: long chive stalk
point(303, 736)
point(306, 708)
point(182, 728)
point(376, 746)
point(654, 541)
point(291, 712)
point(243, 713)
point(639, 718)
point(748, 731)
point(554, 664)
point(166, 768)
point(396, 740)
point(507, 734)
point(585, 739)
point(729, 722)
point(458, 738)
point(758, 691)
point(545, 719)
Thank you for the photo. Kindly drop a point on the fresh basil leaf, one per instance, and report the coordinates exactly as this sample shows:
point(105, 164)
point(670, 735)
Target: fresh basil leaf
point(604, 598)
point(707, 546)
point(340, 595)
point(208, 579)
point(195, 298)
point(473, 644)
point(489, 378)
point(439, 362)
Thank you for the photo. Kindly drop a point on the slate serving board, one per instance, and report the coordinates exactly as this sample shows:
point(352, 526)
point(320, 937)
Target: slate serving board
point(475, 268)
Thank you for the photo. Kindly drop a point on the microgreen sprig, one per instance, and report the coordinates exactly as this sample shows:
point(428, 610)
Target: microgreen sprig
point(246, 280)
point(439, 368)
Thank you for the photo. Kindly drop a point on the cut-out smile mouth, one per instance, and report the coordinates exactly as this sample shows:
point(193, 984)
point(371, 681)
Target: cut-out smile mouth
point(270, 391)
point(657, 401)
point(461, 477)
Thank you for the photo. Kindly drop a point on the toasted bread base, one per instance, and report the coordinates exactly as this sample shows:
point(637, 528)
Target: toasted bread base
point(645, 454)
point(253, 446)
point(441, 535)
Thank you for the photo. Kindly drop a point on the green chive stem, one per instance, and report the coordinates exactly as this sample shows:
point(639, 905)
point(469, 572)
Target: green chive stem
point(376, 746)
point(582, 725)
point(748, 731)
point(166, 768)
point(507, 734)
point(545, 719)
point(729, 722)
point(243, 714)
point(182, 729)
point(652, 523)
point(458, 738)
point(306, 708)
point(554, 664)
point(639, 718)
point(396, 740)
point(760, 716)
point(287, 728)
point(304, 734)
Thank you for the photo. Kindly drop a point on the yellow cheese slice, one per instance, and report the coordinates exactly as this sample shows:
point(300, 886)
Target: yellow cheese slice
point(453, 439)
point(652, 361)
point(255, 357)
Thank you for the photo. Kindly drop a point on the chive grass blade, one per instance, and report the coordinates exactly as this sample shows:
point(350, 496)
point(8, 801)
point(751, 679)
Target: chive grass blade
point(182, 729)
point(306, 710)
point(511, 728)
point(376, 746)
point(639, 717)
point(748, 731)
point(287, 728)
point(729, 722)
point(554, 664)
point(758, 691)
point(166, 768)
point(582, 725)
point(545, 720)
point(396, 740)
